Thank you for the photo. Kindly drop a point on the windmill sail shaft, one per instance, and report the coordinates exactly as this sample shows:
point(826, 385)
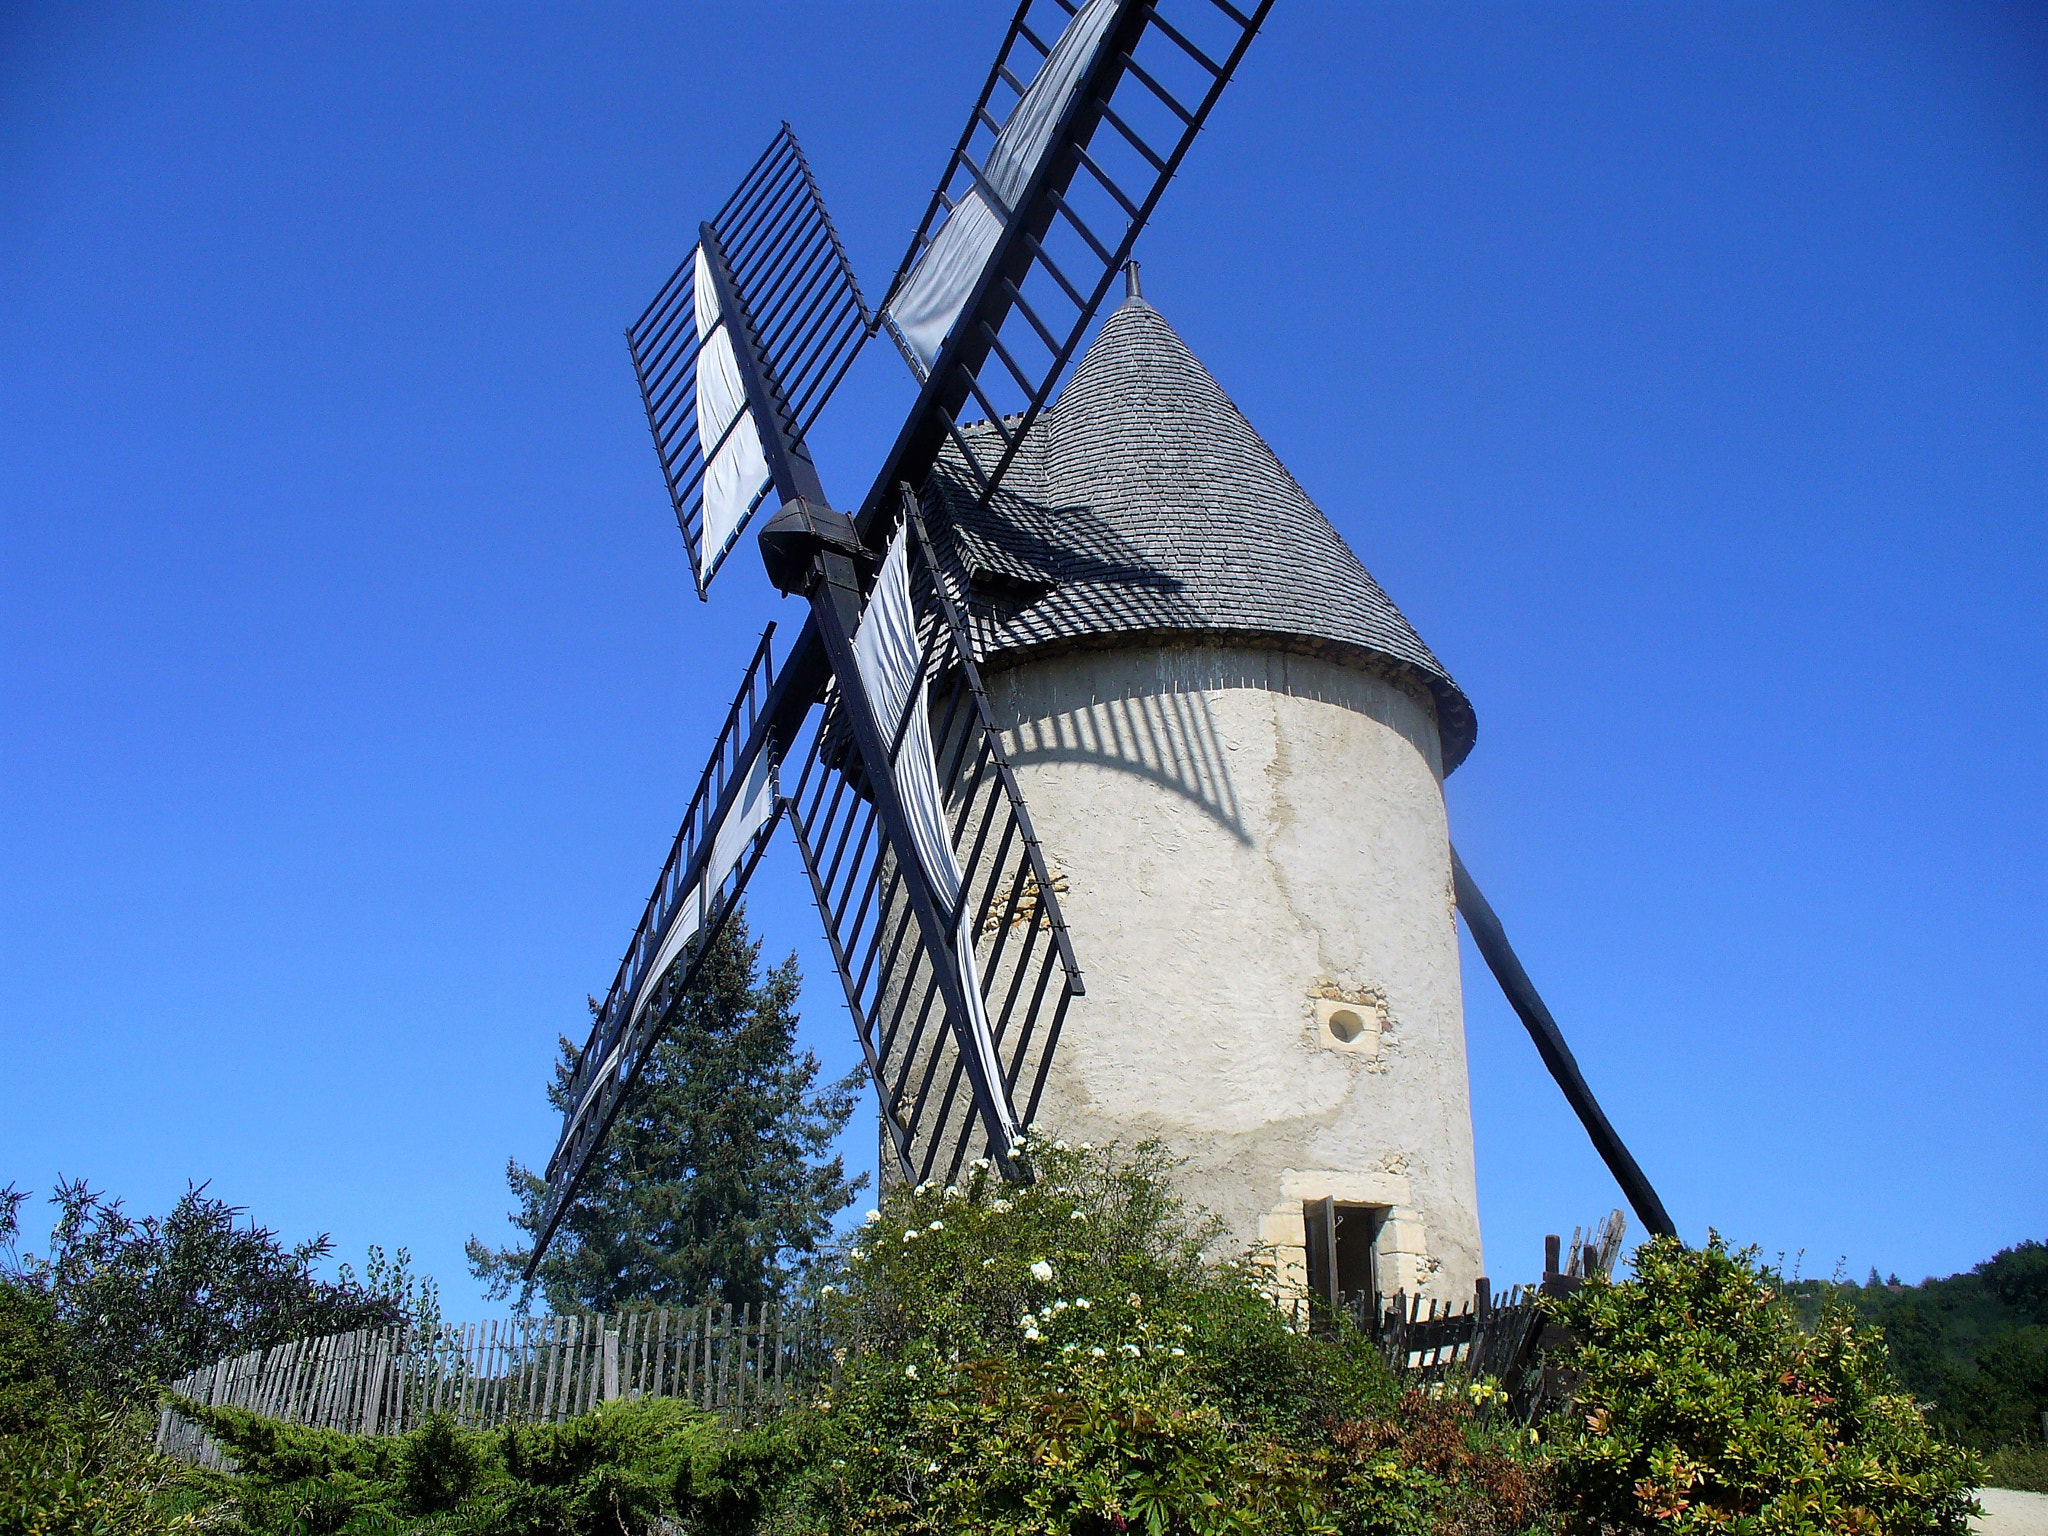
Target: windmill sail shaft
point(1047, 215)
point(891, 663)
point(833, 601)
point(723, 835)
point(747, 380)
point(736, 468)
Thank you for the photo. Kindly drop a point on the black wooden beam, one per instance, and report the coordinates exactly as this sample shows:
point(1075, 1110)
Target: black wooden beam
point(1492, 940)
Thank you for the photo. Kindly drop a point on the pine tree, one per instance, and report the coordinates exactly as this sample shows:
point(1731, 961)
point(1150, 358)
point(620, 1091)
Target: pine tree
point(714, 1181)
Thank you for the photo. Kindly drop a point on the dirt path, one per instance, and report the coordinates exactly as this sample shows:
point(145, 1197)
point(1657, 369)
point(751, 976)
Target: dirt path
point(2007, 1513)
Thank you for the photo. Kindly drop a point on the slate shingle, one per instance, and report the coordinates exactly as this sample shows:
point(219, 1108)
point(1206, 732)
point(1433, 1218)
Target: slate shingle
point(1143, 503)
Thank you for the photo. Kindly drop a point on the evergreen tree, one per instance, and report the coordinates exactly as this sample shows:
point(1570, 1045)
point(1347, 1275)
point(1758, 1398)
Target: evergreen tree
point(714, 1181)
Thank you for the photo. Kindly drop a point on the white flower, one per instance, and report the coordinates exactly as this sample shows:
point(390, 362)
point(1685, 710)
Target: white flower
point(952, 1191)
point(1096, 1353)
point(1134, 1300)
point(1083, 1303)
point(1080, 1215)
point(1176, 1350)
point(1131, 1350)
point(824, 1290)
point(999, 1206)
point(1031, 1334)
point(1041, 1271)
point(910, 1236)
point(1027, 1321)
point(1068, 1349)
point(910, 1371)
point(932, 1466)
point(1059, 1306)
point(1059, 1146)
point(871, 1218)
point(979, 1165)
point(925, 1187)
point(858, 1254)
point(938, 1226)
point(1086, 1148)
point(988, 1263)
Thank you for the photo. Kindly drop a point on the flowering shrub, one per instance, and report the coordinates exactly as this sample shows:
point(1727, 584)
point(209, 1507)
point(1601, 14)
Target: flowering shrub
point(1703, 1406)
point(1062, 1357)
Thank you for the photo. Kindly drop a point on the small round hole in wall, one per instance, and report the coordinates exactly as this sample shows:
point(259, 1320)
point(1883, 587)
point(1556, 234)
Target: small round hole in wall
point(1346, 1025)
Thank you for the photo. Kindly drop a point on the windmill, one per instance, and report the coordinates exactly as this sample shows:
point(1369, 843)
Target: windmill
point(900, 769)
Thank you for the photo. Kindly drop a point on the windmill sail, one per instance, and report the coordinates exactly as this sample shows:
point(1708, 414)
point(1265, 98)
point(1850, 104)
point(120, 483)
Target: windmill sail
point(1039, 207)
point(804, 311)
point(723, 835)
point(973, 838)
point(937, 288)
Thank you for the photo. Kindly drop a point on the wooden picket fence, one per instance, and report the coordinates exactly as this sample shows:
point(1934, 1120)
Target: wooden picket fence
point(1493, 1337)
point(741, 1360)
point(749, 1361)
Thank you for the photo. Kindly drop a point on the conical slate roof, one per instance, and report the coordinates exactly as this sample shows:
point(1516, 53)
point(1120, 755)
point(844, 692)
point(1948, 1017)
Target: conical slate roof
point(1143, 503)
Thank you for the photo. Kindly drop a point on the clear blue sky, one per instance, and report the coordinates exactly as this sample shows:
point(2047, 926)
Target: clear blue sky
point(1681, 370)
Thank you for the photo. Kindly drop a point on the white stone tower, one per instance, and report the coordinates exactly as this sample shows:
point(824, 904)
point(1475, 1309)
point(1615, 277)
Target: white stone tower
point(1233, 745)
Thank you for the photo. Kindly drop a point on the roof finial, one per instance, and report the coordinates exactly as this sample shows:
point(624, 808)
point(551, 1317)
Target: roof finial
point(1131, 282)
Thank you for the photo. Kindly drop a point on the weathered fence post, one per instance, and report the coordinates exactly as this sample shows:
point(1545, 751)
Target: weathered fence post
point(611, 1364)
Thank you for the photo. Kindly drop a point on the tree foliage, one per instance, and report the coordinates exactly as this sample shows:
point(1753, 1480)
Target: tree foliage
point(141, 1301)
point(714, 1181)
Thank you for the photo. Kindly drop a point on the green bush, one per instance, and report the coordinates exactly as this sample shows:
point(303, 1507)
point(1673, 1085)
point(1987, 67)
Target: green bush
point(1069, 1359)
point(1703, 1405)
point(89, 1470)
point(1064, 1357)
point(612, 1472)
point(35, 1359)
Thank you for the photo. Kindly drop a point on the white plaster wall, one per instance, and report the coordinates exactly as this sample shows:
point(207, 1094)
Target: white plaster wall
point(1250, 840)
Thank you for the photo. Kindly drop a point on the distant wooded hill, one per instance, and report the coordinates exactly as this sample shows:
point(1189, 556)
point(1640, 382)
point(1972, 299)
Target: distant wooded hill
point(1975, 1344)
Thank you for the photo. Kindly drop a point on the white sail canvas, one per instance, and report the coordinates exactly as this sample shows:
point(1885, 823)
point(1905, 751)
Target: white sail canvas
point(923, 312)
point(735, 469)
